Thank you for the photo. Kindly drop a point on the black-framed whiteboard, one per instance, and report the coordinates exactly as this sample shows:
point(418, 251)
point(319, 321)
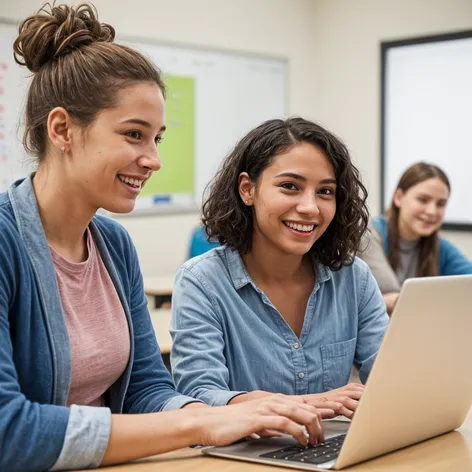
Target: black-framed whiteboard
point(426, 115)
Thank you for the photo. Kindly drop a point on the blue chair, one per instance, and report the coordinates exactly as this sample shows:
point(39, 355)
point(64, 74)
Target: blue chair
point(199, 243)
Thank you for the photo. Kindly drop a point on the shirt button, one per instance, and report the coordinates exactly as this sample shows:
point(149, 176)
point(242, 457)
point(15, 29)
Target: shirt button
point(296, 346)
point(301, 375)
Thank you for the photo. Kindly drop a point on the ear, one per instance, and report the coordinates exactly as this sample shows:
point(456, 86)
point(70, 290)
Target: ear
point(246, 188)
point(60, 129)
point(398, 197)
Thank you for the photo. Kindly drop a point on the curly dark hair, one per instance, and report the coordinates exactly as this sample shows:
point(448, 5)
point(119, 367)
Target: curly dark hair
point(228, 220)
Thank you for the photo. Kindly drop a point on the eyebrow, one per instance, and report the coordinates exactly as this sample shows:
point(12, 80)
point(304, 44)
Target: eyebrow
point(427, 195)
point(146, 124)
point(303, 179)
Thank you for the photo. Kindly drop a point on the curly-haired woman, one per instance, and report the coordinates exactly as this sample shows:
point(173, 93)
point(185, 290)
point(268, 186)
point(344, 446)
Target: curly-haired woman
point(284, 305)
point(82, 382)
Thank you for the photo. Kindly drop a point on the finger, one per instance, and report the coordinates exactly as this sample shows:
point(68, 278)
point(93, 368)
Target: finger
point(305, 415)
point(315, 430)
point(355, 386)
point(355, 394)
point(341, 396)
point(269, 433)
point(288, 426)
point(345, 412)
point(294, 400)
point(328, 412)
point(351, 404)
point(325, 404)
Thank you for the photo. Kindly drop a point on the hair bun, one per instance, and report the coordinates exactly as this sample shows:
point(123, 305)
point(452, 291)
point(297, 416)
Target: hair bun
point(56, 31)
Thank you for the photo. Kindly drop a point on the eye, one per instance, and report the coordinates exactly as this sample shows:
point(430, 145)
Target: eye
point(327, 191)
point(134, 135)
point(422, 200)
point(288, 186)
point(159, 140)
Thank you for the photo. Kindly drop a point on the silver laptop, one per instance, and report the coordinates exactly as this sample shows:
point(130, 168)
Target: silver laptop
point(420, 385)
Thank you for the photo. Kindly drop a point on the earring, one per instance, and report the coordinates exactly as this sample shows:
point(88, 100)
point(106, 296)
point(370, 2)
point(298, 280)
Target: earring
point(246, 202)
point(63, 149)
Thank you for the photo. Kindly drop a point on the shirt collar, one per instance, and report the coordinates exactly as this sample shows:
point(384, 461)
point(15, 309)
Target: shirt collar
point(240, 277)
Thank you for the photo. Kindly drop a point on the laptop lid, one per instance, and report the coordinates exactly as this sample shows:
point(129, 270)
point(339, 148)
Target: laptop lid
point(420, 385)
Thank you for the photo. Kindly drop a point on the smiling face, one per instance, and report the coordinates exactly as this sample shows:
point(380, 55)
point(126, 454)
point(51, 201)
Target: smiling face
point(112, 159)
point(294, 200)
point(421, 208)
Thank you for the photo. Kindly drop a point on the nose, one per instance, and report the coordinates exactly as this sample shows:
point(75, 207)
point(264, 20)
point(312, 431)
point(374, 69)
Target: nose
point(308, 204)
point(431, 208)
point(150, 160)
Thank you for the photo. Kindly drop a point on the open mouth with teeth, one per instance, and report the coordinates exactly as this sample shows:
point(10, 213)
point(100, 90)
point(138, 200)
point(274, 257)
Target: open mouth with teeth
point(134, 183)
point(304, 229)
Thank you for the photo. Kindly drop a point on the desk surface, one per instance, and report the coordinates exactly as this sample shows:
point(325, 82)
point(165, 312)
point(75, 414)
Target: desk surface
point(160, 322)
point(449, 452)
point(159, 286)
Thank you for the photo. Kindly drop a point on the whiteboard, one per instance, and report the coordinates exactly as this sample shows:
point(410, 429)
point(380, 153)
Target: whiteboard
point(233, 93)
point(427, 115)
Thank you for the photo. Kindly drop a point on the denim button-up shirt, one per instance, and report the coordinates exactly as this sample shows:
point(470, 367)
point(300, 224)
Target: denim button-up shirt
point(228, 337)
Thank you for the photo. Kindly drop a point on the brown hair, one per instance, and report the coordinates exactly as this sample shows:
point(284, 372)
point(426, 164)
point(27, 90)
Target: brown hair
point(229, 221)
point(428, 246)
point(76, 66)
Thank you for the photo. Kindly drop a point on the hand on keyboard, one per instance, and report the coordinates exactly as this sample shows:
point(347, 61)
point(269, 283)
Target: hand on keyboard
point(342, 400)
point(219, 426)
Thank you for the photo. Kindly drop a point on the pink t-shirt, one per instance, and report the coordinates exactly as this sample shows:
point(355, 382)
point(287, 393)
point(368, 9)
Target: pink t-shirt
point(98, 330)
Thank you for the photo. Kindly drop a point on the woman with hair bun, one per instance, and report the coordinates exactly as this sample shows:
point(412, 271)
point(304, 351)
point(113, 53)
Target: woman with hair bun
point(284, 306)
point(77, 348)
point(405, 242)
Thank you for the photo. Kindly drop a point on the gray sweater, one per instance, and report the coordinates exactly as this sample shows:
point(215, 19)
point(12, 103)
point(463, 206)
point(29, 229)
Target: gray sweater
point(373, 254)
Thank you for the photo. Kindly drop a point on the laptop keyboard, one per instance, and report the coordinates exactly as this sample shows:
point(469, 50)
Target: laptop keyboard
point(311, 454)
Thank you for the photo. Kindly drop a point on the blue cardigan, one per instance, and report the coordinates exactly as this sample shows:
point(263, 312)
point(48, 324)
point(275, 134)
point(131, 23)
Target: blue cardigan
point(37, 431)
point(451, 260)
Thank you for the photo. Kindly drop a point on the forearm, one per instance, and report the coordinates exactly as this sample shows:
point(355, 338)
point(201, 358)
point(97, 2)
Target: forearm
point(390, 300)
point(136, 436)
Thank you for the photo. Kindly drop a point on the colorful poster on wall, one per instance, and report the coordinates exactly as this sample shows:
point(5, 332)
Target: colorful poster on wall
point(174, 182)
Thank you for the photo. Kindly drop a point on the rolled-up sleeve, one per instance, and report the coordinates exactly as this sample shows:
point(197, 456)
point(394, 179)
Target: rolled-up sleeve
point(86, 440)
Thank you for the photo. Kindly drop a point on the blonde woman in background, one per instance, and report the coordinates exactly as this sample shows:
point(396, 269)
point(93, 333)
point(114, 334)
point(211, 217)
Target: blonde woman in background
point(405, 242)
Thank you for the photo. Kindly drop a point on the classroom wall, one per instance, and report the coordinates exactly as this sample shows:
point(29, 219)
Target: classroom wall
point(333, 50)
point(273, 27)
point(347, 56)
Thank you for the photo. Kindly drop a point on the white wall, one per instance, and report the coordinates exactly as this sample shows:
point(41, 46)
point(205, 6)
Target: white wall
point(347, 56)
point(277, 27)
point(333, 49)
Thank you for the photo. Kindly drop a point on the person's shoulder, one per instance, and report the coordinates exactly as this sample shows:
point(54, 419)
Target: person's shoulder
point(379, 223)
point(8, 225)
point(111, 229)
point(357, 268)
point(207, 263)
point(216, 269)
point(446, 245)
point(354, 274)
point(12, 249)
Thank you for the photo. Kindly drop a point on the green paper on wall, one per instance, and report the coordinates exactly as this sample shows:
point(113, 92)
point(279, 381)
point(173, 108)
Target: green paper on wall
point(177, 150)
